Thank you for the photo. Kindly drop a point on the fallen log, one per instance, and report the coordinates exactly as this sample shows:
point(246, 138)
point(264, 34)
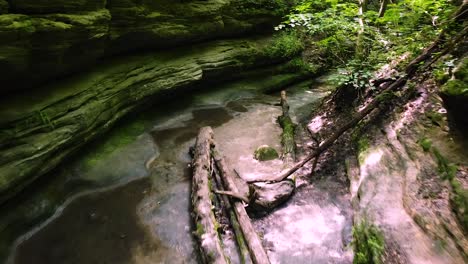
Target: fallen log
point(257, 252)
point(287, 136)
point(242, 248)
point(206, 224)
point(437, 48)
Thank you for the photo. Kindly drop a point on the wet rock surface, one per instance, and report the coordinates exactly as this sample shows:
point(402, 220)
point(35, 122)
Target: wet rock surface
point(58, 120)
point(164, 209)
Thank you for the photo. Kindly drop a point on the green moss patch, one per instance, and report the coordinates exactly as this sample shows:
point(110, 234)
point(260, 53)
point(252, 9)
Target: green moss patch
point(459, 195)
point(458, 86)
point(368, 243)
point(426, 144)
point(265, 152)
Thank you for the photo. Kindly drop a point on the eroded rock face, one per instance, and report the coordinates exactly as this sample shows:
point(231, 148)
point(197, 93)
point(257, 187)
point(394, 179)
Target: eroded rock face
point(43, 39)
point(39, 130)
point(399, 186)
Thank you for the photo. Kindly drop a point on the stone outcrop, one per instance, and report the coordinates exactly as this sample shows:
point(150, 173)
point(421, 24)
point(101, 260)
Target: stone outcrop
point(44, 39)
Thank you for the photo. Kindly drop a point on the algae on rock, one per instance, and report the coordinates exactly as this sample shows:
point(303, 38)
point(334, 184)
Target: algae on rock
point(46, 39)
point(265, 152)
point(62, 117)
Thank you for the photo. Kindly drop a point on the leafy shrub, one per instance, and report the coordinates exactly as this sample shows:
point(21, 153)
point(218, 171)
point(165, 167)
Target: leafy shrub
point(355, 74)
point(368, 243)
point(426, 144)
point(286, 44)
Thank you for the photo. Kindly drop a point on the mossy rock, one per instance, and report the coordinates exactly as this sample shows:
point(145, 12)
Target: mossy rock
point(265, 152)
point(455, 92)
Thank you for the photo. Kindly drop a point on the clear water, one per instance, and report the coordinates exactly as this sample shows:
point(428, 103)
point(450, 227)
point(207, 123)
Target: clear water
point(126, 198)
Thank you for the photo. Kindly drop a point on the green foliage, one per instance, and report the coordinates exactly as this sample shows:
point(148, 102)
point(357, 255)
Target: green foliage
point(435, 117)
point(298, 64)
point(459, 195)
point(368, 243)
point(332, 30)
point(356, 74)
point(459, 201)
point(441, 69)
point(286, 44)
point(458, 85)
point(363, 144)
point(426, 144)
point(446, 169)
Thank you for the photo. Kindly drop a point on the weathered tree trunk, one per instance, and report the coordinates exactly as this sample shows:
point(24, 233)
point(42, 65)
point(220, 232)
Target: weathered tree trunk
point(439, 47)
point(287, 137)
point(360, 37)
point(257, 252)
point(242, 248)
point(383, 7)
point(206, 224)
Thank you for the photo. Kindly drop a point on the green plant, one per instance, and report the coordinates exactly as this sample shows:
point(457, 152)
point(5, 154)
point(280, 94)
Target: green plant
point(356, 74)
point(286, 44)
point(446, 169)
point(425, 143)
point(298, 64)
point(459, 201)
point(459, 195)
point(368, 243)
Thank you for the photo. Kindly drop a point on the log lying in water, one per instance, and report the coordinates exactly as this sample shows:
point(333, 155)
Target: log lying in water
point(287, 137)
point(243, 250)
point(206, 224)
point(254, 244)
point(210, 169)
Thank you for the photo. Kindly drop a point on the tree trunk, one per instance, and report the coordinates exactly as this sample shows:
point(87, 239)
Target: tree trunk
point(287, 136)
point(244, 253)
point(257, 252)
point(206, 224)
point(383, 8)
point(360, 37)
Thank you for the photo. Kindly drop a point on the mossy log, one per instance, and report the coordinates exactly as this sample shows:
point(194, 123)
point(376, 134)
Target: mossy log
point(242, 248)
point(206, 224)
point(210, 169)
point(254, 243)
point(287, 136)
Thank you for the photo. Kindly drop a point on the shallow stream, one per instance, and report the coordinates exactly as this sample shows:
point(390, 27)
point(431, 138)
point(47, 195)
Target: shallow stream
point(125, 199)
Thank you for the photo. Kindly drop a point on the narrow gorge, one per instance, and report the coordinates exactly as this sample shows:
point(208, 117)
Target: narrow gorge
point(101, 102)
